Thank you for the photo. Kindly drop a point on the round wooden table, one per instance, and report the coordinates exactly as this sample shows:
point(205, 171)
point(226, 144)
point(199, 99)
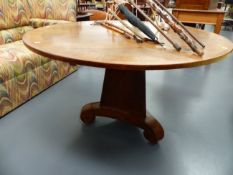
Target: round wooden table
point(123, 94)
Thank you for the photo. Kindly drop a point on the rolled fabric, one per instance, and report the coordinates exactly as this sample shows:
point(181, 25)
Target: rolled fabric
point(136, 22)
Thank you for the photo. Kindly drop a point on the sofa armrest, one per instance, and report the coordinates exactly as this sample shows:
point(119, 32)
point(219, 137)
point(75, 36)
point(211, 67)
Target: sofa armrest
point(38, 22)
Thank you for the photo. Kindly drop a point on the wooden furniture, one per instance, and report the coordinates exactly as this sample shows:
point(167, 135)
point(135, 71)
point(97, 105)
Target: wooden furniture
point(85, 6)
point(213, 17)
point(197, 4)
point(126, 61)
point(83, 16)
point(96, 14)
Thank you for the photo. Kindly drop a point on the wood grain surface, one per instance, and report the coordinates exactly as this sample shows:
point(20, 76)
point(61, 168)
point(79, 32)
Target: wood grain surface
point(87, 44)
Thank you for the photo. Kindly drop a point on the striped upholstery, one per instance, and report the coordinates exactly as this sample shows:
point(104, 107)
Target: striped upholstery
point(23, 74)
point(14, 13)
point(14, 34)
point(54, 9)
point(38, 22)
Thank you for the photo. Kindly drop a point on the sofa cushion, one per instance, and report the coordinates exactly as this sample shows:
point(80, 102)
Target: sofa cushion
point(14, 34)
point(14, 13)
point(22, 88)
point(38, 22)
point(54, 9)
point(16, 59)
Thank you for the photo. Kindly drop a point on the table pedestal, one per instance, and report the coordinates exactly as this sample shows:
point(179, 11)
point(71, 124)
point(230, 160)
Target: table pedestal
point(124, 98)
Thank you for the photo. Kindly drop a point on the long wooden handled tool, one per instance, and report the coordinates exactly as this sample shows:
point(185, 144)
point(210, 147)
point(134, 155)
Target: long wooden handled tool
point(178, 22)
point(175, 45)
point(176, 28)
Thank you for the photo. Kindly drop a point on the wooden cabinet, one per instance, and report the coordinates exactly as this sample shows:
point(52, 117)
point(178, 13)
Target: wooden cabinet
point(197, 4)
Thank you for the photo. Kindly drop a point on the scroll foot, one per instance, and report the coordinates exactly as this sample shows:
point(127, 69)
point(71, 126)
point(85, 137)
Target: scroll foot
point(153, 131)
point(88, 113)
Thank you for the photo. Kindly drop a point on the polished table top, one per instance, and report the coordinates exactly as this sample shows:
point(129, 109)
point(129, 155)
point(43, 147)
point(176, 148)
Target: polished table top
point(88, 44)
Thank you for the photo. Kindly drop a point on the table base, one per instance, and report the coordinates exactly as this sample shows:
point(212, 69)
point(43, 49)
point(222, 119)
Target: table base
point(124, 98)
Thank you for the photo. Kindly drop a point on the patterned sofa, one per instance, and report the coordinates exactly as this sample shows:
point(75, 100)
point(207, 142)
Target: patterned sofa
point(24, 74)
